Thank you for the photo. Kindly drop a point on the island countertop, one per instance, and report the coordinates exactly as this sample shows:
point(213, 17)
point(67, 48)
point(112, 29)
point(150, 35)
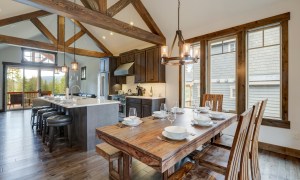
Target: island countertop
point(77, 101)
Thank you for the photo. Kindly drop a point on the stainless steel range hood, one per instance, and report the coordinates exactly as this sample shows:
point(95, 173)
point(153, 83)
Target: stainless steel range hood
point(124, 70)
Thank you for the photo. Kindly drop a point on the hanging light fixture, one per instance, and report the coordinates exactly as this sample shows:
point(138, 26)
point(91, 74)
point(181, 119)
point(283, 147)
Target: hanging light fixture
point(57, 70)
point(64, 68)
point(74, 64)
point(184, 50)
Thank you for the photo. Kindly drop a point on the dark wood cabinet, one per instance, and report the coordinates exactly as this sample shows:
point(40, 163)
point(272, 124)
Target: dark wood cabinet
point(120, 79)
point(155, 71)
point(140, 67)
point(144, 107)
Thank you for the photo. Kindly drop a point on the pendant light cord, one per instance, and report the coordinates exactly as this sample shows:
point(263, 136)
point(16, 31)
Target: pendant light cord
point(178, 14)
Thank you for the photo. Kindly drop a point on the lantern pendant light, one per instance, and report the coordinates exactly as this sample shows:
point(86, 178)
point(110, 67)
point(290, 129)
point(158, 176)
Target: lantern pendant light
point(74, 64)
point(64, 68)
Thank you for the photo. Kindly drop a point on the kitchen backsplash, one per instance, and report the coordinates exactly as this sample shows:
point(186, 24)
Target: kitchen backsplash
point(159, 89)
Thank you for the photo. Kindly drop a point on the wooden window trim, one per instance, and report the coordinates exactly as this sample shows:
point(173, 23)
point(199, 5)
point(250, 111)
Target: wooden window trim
point(240, 31)
point(40, 51)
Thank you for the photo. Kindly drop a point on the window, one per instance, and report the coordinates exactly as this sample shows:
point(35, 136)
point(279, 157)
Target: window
point(41, 57)
point(264, 68)
point(192, 81)
point(222, 71)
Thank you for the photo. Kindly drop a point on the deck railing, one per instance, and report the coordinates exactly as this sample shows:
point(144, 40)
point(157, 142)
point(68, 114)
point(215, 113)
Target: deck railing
point(16, 98)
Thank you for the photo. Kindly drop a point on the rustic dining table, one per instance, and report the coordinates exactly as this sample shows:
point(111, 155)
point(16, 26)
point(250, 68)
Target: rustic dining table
point(146, 143)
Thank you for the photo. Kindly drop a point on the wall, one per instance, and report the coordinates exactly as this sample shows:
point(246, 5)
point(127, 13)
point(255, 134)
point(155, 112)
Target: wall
point(14, 54)
point(158, 89)
point(278, 136)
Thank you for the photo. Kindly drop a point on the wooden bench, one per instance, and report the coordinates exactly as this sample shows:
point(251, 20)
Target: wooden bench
point(111, 154)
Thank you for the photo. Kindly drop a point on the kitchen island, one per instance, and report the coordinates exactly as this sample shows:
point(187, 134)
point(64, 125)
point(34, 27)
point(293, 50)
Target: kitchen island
point(87, 114)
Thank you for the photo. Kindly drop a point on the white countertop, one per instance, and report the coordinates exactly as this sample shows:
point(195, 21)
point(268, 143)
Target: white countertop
point(144, 97)
point(77, 101)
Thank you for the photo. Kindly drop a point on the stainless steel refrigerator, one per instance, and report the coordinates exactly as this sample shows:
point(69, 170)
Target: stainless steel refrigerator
point(104, 84)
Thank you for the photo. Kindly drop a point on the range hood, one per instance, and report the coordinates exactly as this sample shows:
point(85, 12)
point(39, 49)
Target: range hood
point(124, 70)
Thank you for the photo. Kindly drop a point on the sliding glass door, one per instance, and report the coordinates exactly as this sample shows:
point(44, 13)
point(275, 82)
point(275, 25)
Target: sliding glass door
point(23, 84)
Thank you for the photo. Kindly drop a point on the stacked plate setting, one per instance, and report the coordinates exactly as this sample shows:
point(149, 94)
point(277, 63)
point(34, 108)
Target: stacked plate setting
point(202, 120)
point(160, 114)
point(132, 121)
point(175, 132)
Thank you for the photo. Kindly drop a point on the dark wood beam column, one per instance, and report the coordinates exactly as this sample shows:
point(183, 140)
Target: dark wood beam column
point(74, 38)
point(241, 72)
point(203, 74)
point(74, 11)
point(44, 30)
point(117, 7)
point(60, 31)
point(23, 17)
point(102, 4)
point(140, 8)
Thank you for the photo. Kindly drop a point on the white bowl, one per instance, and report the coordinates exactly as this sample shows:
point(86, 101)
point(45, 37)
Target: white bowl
point(132, 120)
point(202, 119)
point(176, 131)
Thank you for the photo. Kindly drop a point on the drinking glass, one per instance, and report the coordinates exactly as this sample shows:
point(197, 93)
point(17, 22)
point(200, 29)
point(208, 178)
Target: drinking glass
point(163, 109)
point(171, 117)
point(208, 105)
point(132, 113)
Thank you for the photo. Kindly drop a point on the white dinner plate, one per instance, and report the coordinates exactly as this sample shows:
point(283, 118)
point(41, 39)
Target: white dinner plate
point(217, 116)
point(159, 115)
point(165, 134)
point(202, 124)
point(129, 123)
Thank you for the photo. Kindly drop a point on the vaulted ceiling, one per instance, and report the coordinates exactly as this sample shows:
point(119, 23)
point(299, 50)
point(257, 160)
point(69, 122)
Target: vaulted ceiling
point(197, 17)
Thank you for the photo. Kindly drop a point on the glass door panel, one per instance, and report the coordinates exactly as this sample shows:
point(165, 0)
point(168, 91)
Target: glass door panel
point(14, 88)
point(31, 86)
point(60, 83)
point(47, 81)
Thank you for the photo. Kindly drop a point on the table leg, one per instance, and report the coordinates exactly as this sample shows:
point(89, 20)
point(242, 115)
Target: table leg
point(127, 166)
point(168, 173)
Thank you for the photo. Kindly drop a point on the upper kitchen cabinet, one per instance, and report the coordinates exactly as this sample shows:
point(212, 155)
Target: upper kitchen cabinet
point(127, 57)
point(155, 71)
point(140, 67)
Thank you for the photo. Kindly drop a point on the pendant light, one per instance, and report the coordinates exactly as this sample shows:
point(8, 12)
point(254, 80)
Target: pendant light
point(56, 70)
point(64, 68)
point(184, 50)
point(74, 64)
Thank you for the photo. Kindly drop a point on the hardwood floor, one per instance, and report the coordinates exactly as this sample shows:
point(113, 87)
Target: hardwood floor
point(23, 156)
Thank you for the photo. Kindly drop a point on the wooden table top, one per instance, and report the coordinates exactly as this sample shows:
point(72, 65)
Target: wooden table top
point(141, 142)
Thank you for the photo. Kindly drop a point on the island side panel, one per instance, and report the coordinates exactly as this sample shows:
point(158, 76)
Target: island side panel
point(98, 116)
point(79, 126)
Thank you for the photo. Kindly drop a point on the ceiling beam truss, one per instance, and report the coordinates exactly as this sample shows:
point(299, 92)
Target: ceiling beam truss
point(82, 14)
point(38, 24)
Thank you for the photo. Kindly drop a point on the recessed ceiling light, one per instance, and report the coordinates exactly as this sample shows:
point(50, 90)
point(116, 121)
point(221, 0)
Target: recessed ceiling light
point(111, 33)
point(103, 37)
point(131, 23)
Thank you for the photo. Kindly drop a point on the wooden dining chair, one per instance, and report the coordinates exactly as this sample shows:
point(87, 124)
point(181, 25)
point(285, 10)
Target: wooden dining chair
point(215, 99)
point(237, 165)
point(225, 141)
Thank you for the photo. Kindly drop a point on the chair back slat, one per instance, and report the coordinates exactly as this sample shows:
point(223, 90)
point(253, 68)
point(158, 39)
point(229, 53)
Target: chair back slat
point(255, 172)
point(238, 160)
point(215, 99)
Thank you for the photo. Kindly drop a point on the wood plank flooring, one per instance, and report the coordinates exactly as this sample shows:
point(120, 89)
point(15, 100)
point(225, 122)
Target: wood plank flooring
point(23, 156)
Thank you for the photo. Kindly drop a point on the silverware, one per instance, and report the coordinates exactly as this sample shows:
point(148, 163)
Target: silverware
point(192, 134)
point(162, 139)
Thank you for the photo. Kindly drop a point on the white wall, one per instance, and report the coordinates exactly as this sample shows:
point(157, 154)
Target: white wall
point(278, 136)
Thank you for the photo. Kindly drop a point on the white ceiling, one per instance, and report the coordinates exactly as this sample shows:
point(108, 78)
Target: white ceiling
point(197, 17)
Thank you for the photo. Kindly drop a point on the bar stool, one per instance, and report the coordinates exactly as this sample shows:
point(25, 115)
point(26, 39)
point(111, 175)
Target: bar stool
point(58, 121)
point(44, 123)
point(39, 117)
point(34, 114)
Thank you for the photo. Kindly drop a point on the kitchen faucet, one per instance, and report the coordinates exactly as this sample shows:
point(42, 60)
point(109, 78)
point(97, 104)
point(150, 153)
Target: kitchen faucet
point(72, 89)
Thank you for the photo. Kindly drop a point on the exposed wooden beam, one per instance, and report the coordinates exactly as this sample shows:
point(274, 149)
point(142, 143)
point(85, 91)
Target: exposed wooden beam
point(98, 43)
point(44, 30)
point(27, 43)
point(102, 4)
point(75, 11)
point(74, 38)
point(47, 46)
point(145, 15)
point(91, 4)
point(84, 52)
point(243, 27)
point(23, 17)
point(86, 4)
point(117, 7)
point(60, 31)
